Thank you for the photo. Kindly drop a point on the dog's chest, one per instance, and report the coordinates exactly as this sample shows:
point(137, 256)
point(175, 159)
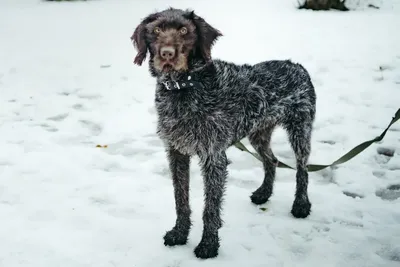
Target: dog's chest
point(186, 123)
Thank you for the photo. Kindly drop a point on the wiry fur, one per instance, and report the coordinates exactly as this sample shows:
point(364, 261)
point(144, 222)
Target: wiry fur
point(237, 101)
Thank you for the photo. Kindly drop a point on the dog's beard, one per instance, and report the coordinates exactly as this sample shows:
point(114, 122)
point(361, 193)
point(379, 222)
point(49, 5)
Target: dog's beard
point(167, 68)
point(177, 65)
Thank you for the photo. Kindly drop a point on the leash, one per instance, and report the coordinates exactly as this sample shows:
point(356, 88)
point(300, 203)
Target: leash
point(346, 157)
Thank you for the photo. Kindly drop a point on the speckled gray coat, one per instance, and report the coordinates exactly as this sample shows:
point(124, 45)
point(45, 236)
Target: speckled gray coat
point(237, 101)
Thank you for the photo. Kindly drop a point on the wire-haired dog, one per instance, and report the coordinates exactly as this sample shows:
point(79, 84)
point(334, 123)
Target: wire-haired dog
point(204, 106)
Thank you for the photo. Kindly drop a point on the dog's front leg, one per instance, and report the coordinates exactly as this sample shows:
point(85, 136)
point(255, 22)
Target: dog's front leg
point(214, 171)
point(179, 168)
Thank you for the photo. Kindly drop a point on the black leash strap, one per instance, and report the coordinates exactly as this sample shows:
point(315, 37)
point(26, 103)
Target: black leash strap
point(346, 157)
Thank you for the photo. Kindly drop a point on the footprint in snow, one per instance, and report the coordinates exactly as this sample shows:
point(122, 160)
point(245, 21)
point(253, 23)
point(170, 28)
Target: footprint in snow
point(394, 167)
point(300, 250)
point(78, 107)
point(94, 128)
point(386, 151)
point(328, 176)
point(321, 228)
point(70, 92)
point(381, 159)
point(379, 174)
point(100, 201)
point(352, 194)
point(390, 253)
point(329, 142)
point(59, 117)
point(348, 223)
point(48, 127)
point(392, 192)
point(89, 96)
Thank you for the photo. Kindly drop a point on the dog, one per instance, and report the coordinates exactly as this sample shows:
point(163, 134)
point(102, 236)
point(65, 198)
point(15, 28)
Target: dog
point(205, 105)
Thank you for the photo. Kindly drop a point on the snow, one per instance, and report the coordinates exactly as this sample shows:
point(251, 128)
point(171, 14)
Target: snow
point(67, 84)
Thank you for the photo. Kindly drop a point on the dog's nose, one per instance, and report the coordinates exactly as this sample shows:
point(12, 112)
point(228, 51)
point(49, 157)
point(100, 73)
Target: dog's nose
point(167, 52)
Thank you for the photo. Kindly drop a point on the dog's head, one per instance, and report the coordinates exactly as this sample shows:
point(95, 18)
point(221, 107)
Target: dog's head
point(172, 37)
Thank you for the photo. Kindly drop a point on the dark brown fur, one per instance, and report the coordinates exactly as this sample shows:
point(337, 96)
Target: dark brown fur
point(199, 39)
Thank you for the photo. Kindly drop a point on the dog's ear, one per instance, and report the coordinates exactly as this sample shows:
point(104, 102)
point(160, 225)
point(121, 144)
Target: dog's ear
point(206, 34)
point(138, 38)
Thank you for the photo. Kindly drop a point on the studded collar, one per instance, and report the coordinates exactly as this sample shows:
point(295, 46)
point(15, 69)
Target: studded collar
point(183, 83)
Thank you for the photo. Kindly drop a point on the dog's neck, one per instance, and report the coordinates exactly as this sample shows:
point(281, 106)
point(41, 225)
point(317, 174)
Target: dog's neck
point(175, 80)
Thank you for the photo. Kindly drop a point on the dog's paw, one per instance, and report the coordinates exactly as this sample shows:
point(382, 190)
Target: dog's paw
point(206, 250)
point(175, 238)
point(260, 197)
point(301, 207)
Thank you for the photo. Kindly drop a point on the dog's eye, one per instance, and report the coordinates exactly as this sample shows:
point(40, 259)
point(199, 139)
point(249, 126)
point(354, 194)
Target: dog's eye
point(157, 30)
point(183, 30)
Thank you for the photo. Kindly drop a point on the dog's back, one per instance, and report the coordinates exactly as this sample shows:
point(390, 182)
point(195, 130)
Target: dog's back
point(284, 89)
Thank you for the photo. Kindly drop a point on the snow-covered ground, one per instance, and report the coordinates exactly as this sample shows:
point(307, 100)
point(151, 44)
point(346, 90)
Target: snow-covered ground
point(67, 84)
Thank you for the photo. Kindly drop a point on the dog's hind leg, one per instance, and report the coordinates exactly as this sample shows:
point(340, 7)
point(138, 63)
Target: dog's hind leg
point(214, 171)
point(179, 166)
point(300, 140)
point(260, 140)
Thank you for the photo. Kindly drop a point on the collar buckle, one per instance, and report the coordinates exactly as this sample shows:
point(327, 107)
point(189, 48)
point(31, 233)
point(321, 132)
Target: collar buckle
point(171, 85)
point(167, 85)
